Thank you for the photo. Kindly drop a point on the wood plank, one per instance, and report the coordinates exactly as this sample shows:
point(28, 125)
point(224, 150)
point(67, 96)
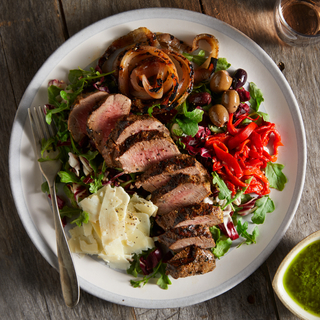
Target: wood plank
point(80, 14)
point(30, 33)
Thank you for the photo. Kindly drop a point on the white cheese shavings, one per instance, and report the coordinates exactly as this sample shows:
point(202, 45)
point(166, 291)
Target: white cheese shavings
point(118, 226)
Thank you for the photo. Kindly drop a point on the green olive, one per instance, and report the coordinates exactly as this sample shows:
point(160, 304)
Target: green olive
point(218, 115)
point(220, 81)
point(230, 99)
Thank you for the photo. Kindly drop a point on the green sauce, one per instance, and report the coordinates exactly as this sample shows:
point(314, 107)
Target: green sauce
point(302, 278)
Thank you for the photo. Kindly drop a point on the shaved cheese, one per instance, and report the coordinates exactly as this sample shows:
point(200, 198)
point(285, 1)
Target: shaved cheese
point(118, 226)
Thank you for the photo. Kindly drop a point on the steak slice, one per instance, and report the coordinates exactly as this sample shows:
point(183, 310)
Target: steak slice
point(160, 173)
point(143, 149)
point(129, 125)
point(178, 238)
point(203, 213)
point(80, 110)
point(101, 121)
point(191, 261)
point(181, 190)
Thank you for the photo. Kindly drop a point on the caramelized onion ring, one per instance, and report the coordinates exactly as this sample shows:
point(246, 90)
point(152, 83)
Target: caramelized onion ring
point(140, 35)
point(153, 71)
point(186, 79)
point(134, 62)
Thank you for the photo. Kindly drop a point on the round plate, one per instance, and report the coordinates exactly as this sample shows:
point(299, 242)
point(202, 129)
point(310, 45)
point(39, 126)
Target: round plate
point(87, 46)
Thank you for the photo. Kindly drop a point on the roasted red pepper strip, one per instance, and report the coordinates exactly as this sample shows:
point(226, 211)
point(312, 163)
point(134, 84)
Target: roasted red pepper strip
point(258, 174)
point(223, 137)
point(227, 158)
point(237, 182)
point(242, 135)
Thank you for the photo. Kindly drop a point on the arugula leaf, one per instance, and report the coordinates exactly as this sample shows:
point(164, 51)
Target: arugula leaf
point(264, 116)
point(68, 177)
point(198, 59)
point(70, 196)
point(97, 179)
point(188, 126)
point(242, 231)
point(163, 281)
point(222, 245)
point(69, 212)
point(216, 232)
point(240, 193)
point(222, 64)
point(134, 268)
point(83, 218)
point(45, 187)
point(53, 96)
point(221, 248)
point(256, 96)
point(91, 157)
point(188, 122)
point(264, 205)
point(224, 192)
point(276, 177)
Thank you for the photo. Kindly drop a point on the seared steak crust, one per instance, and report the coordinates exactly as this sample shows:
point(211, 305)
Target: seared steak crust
point(132, 124)
point(141, 150)
point(178, 238)
point(80, 111)
point(181, 190)
point(191, 261)
point(202, 213)
point(160, 173)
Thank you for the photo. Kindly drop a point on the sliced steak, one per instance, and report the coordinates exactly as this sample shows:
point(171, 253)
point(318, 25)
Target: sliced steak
point(80, 110)
point(101, 121)
point(145, 148)
point(203, 213)
point(130, 125)
point(178, 238)
point(181, 190)
point(191, 261)
point(160, 173)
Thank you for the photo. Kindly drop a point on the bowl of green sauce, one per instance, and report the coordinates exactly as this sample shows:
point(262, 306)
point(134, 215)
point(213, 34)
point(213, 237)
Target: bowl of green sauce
point(297, 280)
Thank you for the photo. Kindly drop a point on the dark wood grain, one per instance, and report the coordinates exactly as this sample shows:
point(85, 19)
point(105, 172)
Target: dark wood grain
point(80, 14)
point(29, 32)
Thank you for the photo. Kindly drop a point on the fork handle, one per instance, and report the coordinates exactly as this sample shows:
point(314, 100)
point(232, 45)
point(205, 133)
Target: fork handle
point(68, 277)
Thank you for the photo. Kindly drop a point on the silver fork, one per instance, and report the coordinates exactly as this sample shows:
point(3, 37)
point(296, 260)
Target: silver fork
point(68, 277)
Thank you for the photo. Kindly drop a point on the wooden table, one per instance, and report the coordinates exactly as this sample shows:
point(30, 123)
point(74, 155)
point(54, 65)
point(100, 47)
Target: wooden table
point(29, 32)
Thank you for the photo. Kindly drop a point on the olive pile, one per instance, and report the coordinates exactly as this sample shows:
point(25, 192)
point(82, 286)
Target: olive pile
point(221, 83)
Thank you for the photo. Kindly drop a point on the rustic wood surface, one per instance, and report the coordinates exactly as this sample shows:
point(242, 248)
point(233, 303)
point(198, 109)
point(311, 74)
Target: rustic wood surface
point(30, 30)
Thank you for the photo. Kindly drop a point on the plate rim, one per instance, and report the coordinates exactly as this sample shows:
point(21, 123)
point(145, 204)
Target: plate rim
point(83, 35)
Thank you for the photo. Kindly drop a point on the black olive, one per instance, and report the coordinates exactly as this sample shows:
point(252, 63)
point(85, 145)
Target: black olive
point(239, 79)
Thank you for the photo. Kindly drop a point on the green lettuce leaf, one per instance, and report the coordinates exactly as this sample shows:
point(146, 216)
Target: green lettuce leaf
point(263, 205)
point(256, 96)
point(222, 64)
point(242, 231)
point(221, 248)
point(224, 192)
point(276, 177)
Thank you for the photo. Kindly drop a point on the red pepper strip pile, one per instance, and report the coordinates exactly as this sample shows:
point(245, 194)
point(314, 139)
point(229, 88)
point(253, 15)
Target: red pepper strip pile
point(240, 154)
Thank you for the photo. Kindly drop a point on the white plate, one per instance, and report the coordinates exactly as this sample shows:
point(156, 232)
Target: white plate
point(280, 103)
